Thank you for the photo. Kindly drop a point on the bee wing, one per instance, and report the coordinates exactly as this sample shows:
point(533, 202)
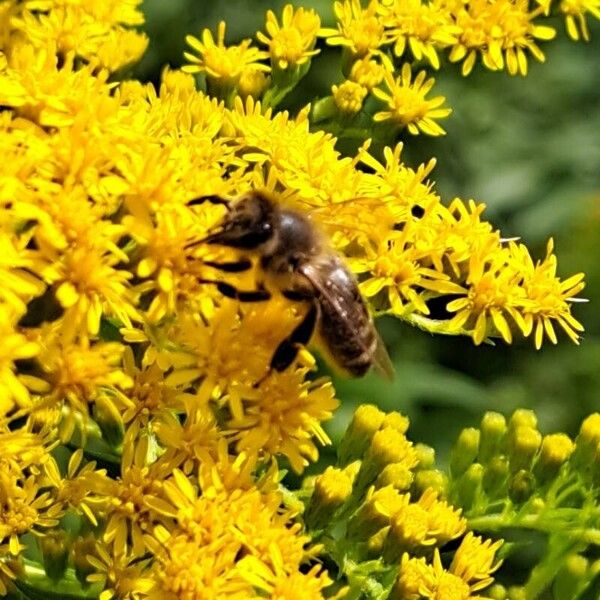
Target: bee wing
point(382, 363)
point(340, 296)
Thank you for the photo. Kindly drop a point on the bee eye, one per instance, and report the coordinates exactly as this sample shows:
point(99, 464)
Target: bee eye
point(266, 227)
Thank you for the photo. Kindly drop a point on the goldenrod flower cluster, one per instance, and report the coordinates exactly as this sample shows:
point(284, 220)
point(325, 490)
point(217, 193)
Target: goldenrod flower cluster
point(137, 407)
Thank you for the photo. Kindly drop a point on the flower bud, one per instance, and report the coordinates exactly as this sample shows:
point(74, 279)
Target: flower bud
point(55, 553)
point(375, 512)
point(521, 486)
point(425, 456)
point(430, 478)
point(495, 476)
point(332, 488)
point(493, 431)
point(397, 475)
point(376, 543)
point(464, 451)
point(517, 592)
point(349, 97)
point(555, 451)
point(587, 441)
point(109, 420)
point(523, 417)
point(572, 578)
point(80, 549)
point(497, 592)
point(396, 421)
point(523, 445)
point(388, 446)
point(366, 421)
point(468, 487)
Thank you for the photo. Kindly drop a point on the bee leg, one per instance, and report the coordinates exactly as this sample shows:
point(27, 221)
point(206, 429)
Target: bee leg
point(237, 266)
point(230, 291)
point(297, 296)
point(210, 198)
point(288, 349)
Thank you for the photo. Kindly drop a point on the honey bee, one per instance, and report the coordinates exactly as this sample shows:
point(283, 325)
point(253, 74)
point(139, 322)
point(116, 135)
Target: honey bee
point(296, 258)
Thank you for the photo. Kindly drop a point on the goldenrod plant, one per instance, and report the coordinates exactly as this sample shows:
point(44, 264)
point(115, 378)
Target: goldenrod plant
point(144, 438)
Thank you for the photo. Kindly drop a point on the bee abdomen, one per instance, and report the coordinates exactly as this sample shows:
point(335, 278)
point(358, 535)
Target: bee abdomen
point(350, 345)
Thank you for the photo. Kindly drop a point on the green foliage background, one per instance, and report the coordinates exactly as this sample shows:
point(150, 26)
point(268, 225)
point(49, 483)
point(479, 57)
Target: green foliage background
point(530, 149)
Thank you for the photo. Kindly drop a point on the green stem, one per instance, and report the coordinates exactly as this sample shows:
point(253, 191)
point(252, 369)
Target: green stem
point(544, 572)
point(35, 585)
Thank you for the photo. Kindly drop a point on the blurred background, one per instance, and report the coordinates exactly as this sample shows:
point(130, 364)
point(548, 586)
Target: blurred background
point(527, 147)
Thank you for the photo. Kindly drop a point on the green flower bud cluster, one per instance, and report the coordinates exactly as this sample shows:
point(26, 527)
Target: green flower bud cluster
point(382, 516)
point(507, 476)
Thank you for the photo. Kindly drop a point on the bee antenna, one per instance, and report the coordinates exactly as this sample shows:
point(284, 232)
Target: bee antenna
point(211, 199)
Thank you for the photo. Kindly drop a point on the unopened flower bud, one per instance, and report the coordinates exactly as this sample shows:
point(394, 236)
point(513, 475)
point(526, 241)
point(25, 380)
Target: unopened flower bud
point(349, 97)
point(430, 478)
point(397, 475)
point(366, 421)
point(388, 446)
point(497, 592)
point(253, 82)
point(376, 543)
point(495, 477)
point(109, 420)
point(468, 487)
point(523, 417)
point(521, 486)
point(523, 445)
point(517, 592)
point(464, 451)
point(587, 441)
point(571, 578)
point(80, 549)
point(375, 512)
point(425, 456)
point(493, 431)
point(555, 451)
point(55, 553)
point(396, 421)
point(332, 488)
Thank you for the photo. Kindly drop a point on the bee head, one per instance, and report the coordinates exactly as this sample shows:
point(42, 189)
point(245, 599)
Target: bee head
point(248, 224)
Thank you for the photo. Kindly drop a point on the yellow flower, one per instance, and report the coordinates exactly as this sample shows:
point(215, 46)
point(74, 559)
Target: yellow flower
point(19, 285)
point(292, 43)
point(88, 286)
point(215, 530)
point(349, 96)
point(76, 488)
point(424, 28)
point(15, 346)
point(75, 372)
point(122, 576)
point(397, 269)
point(280, 585)
point(493, 292)
point(474, 561)
point(575, 12)
point(359, 29)
point(407, 103)
point(25, 508)
point(547, 298)
point(130, 514)
point(222, 64)
point(469, 573)
point(501, 30)
point(283, 415)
